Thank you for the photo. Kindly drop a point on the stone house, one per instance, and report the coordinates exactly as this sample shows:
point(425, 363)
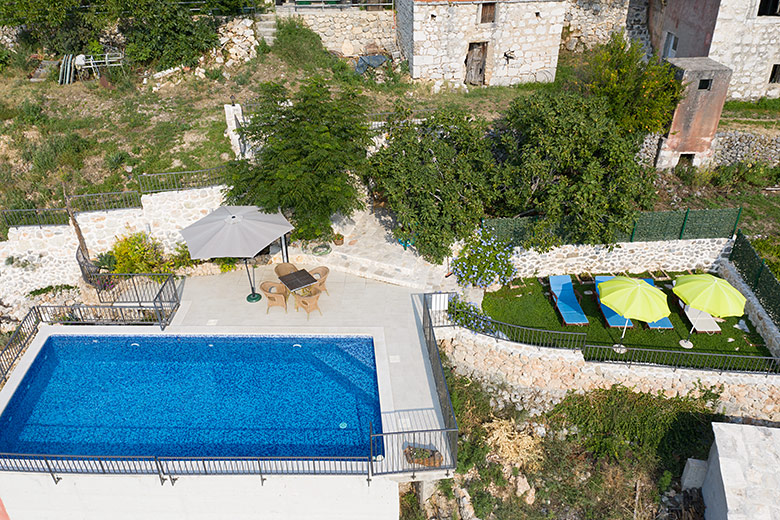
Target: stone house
point(743, 35)
point(481, 42)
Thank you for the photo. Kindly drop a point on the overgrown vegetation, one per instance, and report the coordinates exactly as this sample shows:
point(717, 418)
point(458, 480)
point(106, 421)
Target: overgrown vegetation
point(769, 249)
point(139, 253)
point(51, 289)
point(577, 472)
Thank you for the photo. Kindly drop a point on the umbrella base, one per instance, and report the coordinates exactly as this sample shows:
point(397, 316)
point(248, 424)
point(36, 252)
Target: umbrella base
point(619, 348)
point(684, 343)
point(254, 297)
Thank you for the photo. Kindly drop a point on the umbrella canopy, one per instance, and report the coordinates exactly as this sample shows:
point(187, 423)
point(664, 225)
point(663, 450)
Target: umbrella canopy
point(633, 298)
point(234, 231)
point(710, 294)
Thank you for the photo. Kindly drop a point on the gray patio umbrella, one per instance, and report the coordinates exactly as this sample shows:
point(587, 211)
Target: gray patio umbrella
point(235, 231)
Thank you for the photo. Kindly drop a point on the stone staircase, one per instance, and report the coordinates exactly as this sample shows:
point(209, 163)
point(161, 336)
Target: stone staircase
point(265, 27)
point(370, 251)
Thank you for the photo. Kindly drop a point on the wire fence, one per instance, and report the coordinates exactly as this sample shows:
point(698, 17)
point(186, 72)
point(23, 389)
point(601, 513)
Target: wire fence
point(757, 275)
point(649, 226)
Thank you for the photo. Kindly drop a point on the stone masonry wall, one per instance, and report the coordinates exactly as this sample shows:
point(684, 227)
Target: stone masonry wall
point(727, 148)
point(529, 31)
point(47, 255)
point(588, 23)
point(351, 32)
point(541, 376)
point(749, 45)
point(9, 35)
point(633, 257)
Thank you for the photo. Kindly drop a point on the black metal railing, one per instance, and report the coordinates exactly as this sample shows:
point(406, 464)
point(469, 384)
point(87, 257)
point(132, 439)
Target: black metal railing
point(140, 288)
point(18, 342)
point(414, 451)
point(185, 180)
point(682, 359)
point(35, 217)
point(105, 315)
point(369, 5)
point(445, 316)
point(105, 201)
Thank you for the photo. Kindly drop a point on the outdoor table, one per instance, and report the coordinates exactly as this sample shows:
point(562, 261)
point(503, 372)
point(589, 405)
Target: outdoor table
point(298, 280)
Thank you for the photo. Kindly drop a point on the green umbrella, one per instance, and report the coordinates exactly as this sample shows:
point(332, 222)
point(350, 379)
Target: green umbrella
point(634, 299)
point(708, 294)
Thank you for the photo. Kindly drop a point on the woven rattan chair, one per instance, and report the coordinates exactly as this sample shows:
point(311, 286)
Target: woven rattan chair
point(308, 302)
point(275, 294)
point(321, 274)
point(284, 268)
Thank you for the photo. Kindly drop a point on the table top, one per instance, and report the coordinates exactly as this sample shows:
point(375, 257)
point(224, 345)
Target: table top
point(298, 280)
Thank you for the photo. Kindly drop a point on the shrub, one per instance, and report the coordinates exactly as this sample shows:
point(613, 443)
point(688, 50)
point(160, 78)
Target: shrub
point(165, 33)
point(744, 174)
point(226, 264)
point(470, 316)
point(5, 57)
point(139, 253)
point(51, 289)
point(181, 257)
point(115, 160)
point(484, 260)
point(105, 261)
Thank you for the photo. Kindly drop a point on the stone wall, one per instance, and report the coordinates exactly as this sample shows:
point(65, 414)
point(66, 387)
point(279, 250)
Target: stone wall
point(351, 32)
point(9, 35)
point(734, 147)
point(632, 257)
point(539, 377)
point(753, 308)
point(528, 32)
point(588, 23)
point(47, 255)
point(749, 45)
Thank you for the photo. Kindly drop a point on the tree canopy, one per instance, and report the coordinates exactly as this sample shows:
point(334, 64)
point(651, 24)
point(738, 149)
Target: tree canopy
point(310, 146)
point(567, 158)
point(437, 176)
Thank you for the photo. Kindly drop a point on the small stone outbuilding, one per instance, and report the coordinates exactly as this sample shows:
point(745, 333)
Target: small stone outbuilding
point(481, 42)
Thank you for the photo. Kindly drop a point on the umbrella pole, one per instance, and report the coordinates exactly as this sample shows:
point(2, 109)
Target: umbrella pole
point(687, 343)
point(253, 297)
point(285, 255)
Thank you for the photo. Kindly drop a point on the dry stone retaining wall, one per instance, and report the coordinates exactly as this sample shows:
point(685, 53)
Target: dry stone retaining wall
point(633, 257)
point(9, 35)
point(351, 32)
point(42, 256)
point(540, 377)
point(727, 147)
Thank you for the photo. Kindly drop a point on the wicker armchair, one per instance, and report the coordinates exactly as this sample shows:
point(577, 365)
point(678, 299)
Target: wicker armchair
point(275, 294)
point(321, 274)
point(309, 302)
point(284, 268)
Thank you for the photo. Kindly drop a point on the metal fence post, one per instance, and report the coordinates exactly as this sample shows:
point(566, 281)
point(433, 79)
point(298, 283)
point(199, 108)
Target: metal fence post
point(758, 276)
point(736, 222)
point(633, 231)
point(685, 222)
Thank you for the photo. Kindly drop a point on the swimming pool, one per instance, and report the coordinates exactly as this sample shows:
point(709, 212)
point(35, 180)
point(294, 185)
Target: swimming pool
point(196, 396)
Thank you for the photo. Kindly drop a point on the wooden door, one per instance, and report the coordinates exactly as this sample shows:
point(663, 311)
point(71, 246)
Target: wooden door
point(475, 63)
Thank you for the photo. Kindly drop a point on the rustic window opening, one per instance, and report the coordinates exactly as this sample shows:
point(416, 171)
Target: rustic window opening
point(670, 45)
point(705, 84)
point(488, 13)
point(769, 8)
point(775, 76)
point(686, 159)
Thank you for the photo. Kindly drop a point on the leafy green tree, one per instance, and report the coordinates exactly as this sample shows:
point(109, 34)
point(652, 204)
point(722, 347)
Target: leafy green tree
point(165, 32)
point(309, 146)
point(641, 93)
point(567, 159)
point(437, 176)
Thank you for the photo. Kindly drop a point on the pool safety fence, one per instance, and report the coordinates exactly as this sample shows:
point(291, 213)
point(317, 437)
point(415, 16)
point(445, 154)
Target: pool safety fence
point(445, 316)
point(649, 226)
point(757, 275)
point(160, 313)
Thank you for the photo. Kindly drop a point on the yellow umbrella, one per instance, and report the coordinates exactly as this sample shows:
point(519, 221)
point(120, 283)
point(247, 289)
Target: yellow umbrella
point(708, 294)
point(634, 299)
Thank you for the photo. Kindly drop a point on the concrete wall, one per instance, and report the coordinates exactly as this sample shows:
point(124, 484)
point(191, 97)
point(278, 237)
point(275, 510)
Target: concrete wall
point(712, 489)
point(749, 45)
point(90, 497)
point(633, 257)
point(351, 32)
point(46, 255)
point(692, 22)
point(696, 117)
point(442, 33)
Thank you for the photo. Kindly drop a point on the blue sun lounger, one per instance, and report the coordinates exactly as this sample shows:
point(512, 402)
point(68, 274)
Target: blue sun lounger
point(614, 319)
point(664, 323)
point(566, 301)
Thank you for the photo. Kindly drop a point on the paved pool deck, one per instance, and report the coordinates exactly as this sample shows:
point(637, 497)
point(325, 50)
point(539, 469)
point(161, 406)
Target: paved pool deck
point(217, 304)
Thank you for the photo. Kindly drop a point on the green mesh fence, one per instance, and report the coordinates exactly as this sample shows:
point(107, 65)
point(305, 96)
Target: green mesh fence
point(650, 226)
point(757, 275)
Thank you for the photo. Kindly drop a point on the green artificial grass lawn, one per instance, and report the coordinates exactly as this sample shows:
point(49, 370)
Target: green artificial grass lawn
point(529, 306)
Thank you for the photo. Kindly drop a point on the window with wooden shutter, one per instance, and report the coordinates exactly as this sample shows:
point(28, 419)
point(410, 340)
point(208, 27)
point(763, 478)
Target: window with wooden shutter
point(488, 13)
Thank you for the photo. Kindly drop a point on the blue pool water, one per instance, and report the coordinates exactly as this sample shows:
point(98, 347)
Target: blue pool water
point(196, 396)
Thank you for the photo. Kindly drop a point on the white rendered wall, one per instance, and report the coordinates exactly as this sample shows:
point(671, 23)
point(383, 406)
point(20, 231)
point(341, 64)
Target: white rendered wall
point(86, 497)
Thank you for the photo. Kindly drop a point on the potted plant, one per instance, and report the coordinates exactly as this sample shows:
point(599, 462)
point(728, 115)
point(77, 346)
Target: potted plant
point(423, 456)
point(338, 239)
